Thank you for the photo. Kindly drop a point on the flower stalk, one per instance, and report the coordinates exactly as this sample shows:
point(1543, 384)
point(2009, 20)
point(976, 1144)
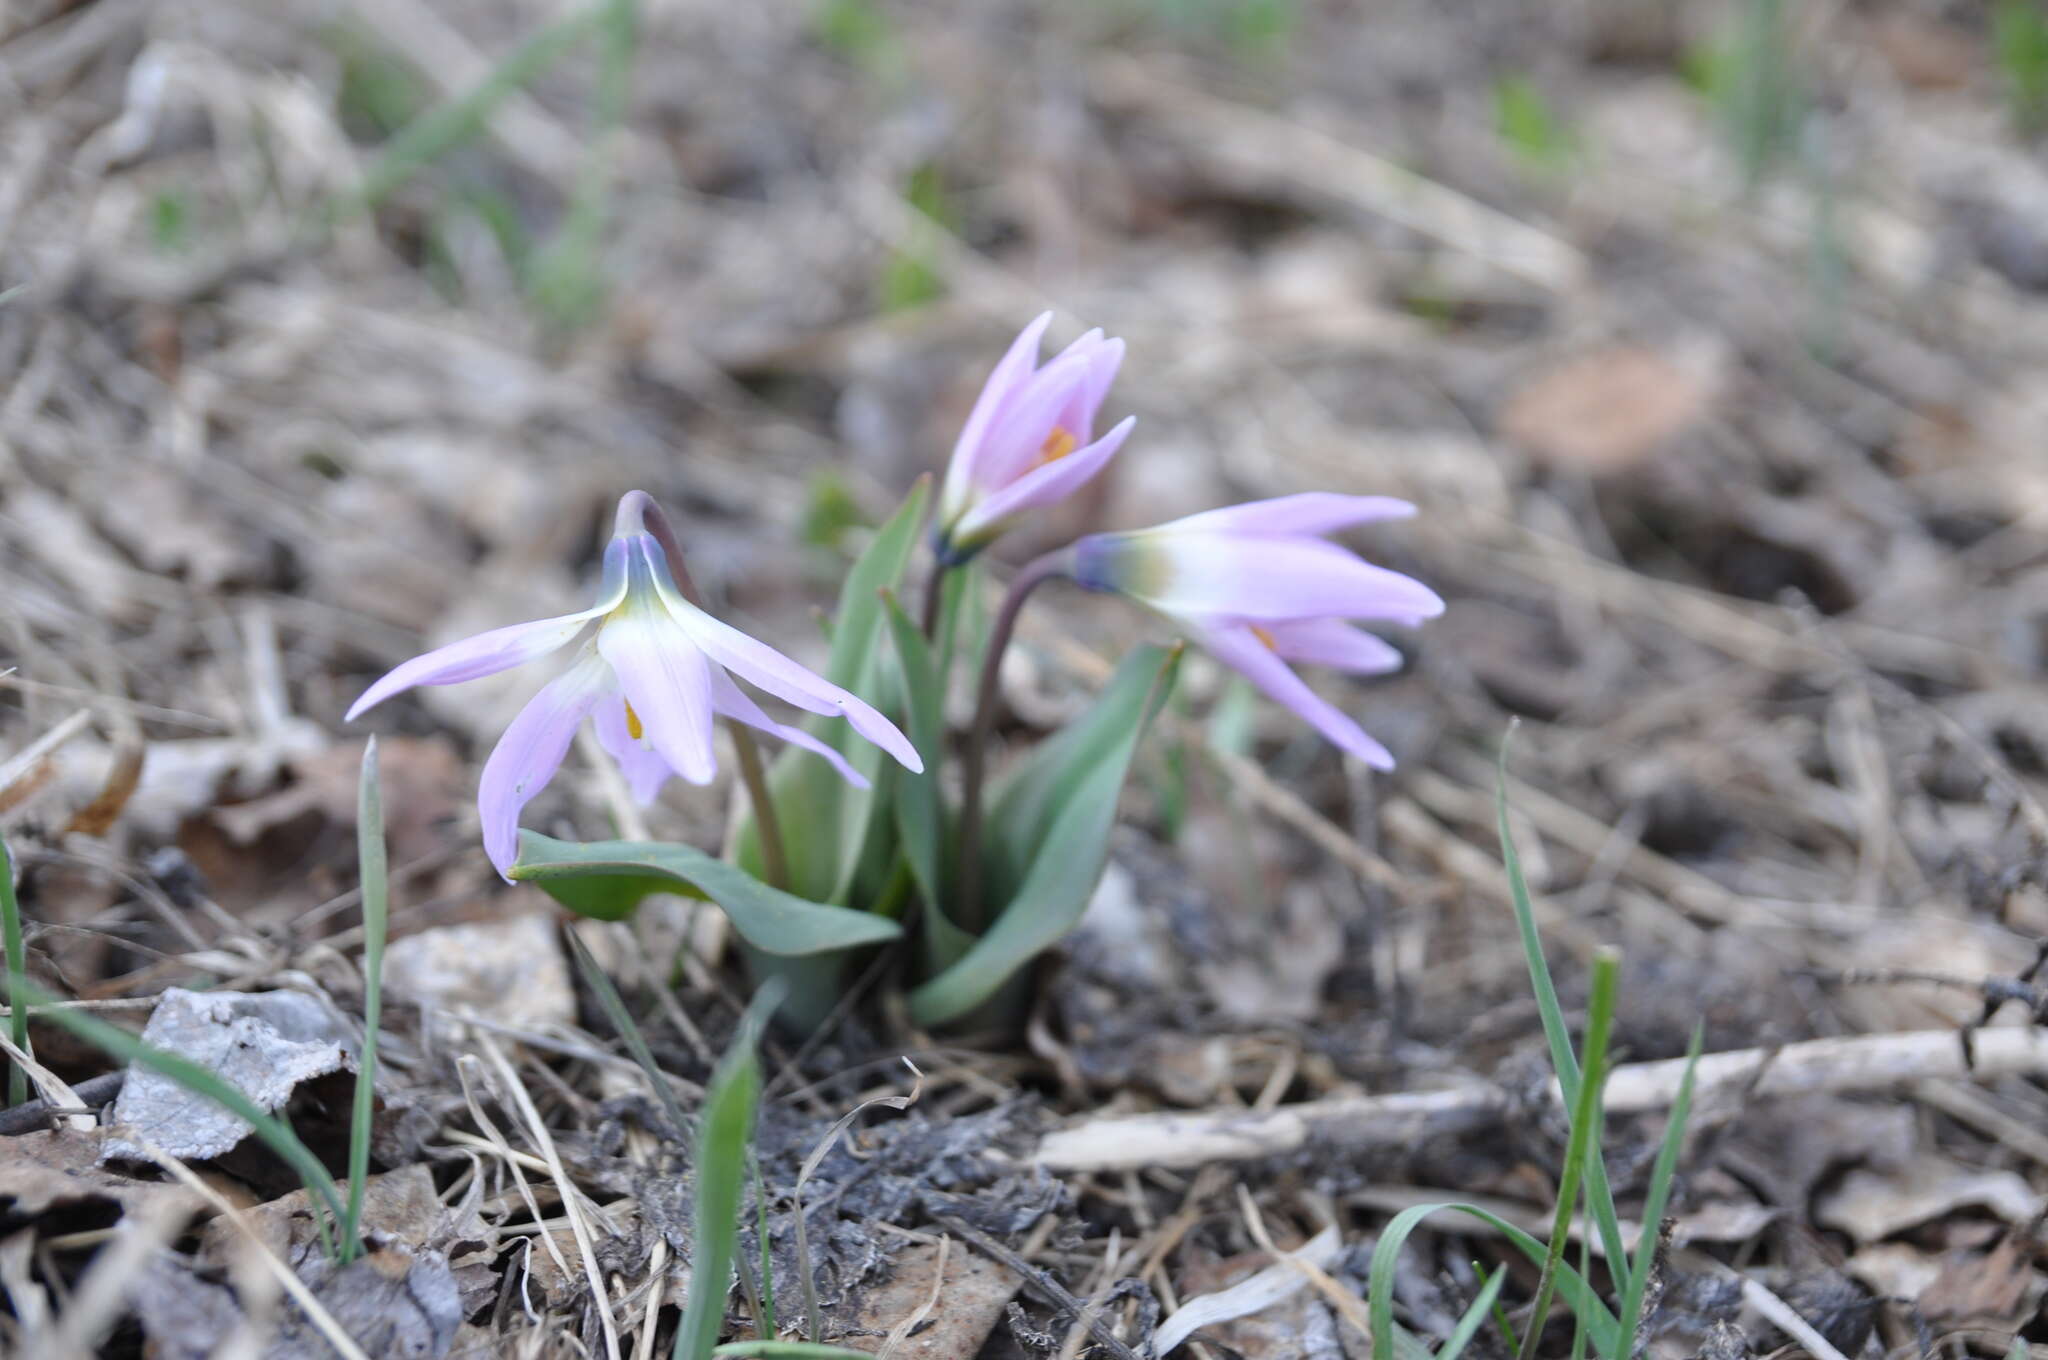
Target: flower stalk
point(746, 752)
point(973, 759)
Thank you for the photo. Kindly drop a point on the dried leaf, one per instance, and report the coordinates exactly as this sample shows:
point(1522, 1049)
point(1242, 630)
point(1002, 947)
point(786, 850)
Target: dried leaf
point(62, 1166)
point(1871, 1205)
point(509, 970)
point(1605, 411)
point(971, 1301)
point(2000, 1288)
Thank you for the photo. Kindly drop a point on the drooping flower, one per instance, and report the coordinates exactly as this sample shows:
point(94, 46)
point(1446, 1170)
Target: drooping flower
point(1257, 587)
point(1030, 439)
point(653, 670)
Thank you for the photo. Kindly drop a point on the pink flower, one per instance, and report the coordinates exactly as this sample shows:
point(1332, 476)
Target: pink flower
point(652, 668)
point(1030, 439)
point(1257, 587)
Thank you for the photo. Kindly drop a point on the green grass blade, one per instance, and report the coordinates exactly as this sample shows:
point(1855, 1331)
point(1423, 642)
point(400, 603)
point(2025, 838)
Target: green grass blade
point(1579, 1330)
point(765, 1322)
point(275, 1133)
point(1659, 1194)
point(1575, 1289)
point(1474, 1317)
point(724, 1133)
point(1555, 1032)
point(376, 884)
point(1554, 1028)
point(17, 974)
point(1585, 1115)
point(1599, 1195)
point(614, 1008)
point(435, 133)
point(1500, 1314)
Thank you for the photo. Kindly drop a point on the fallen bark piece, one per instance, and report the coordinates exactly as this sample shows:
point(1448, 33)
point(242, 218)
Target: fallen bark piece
point(1862, 1063)
point(265, 1043)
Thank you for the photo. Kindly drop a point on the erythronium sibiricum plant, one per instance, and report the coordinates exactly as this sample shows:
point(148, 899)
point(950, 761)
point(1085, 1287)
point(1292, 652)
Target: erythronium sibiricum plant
point(852, 839)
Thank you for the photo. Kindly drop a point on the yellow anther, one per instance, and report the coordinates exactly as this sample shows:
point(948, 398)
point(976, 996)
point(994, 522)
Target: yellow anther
point(636, 731)
point(1057, 445)
point(1257, 632)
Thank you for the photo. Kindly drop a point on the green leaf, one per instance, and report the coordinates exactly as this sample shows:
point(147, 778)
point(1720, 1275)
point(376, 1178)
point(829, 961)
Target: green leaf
point(724, 1131)
point(607, 879)
point(826, 822)
point(1051, 828)
point(920, 815)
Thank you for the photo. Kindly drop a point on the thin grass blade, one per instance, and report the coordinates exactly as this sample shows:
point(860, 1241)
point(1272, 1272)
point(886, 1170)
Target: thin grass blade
point(1585, 1114)
point(724, 1133)
point(17, 973)
point(1474, 1317)
point(614, 1007)
point(1575, 1289)
point(1555, 1031)
point(440, 130)
point(1657, 1197)
point(376, 883)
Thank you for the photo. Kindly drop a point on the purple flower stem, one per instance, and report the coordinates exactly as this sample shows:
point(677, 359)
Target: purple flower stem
point(973, 759)
point(767, 826)
point(934, 596)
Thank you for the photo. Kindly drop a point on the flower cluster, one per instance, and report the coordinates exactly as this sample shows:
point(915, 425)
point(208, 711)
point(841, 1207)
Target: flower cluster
point(823, 862)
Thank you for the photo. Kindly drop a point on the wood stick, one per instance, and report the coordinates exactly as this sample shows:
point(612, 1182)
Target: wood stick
point(1861, 1063)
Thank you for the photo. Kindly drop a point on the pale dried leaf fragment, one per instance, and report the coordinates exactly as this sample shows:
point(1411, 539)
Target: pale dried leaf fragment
point(265, 1043)
point(1605, 411)
point(1872, 1205)
point(509, 970)
point(972, 1292)
point(1261, 1291)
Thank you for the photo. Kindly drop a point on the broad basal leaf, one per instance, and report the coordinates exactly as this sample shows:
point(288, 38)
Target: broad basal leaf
point(1051, 829)
point(607, 879)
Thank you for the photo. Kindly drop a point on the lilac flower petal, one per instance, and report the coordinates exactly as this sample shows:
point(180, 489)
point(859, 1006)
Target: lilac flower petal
point(733, 702)
point(1018, 437)
point(1043, 485)
point(1329, 642)
point(642, 765)
point(531, 750)
point(765, 668)
point(1208, 574)
point(1310, 513)
point(1244, 652)
point(1015, 366)
point(475, 657)
point(1079, 416)
point(668, 683)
